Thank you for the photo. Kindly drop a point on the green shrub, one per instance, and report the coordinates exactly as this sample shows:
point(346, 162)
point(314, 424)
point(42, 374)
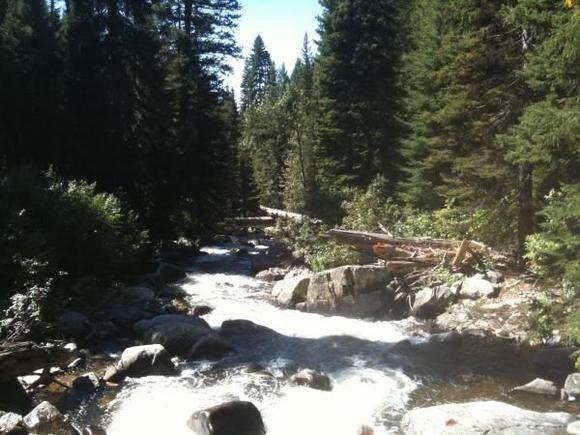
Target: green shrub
point(318, 253)
point(555, 252)
point(54, 233)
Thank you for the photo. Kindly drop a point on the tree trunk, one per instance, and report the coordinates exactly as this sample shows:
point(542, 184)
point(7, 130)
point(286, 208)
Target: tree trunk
point(525, 207)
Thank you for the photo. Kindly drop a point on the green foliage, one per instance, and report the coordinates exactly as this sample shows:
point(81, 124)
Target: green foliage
point(555, 252)
point(318, 253)
point(55, 232)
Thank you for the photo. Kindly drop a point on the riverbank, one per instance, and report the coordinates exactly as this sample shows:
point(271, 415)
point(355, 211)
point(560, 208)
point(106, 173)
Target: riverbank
point(409, 367)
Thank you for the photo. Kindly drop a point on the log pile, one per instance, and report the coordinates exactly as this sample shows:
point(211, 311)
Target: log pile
point(406, 254)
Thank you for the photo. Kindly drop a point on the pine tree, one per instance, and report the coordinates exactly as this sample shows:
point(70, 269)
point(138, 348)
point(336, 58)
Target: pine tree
point(259, 73)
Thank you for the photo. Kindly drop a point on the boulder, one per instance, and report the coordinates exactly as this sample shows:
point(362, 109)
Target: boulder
point(232, 418)
point(177, 338)
point(340, 290)
point(476, 287)
point(291, 291)
point(138, 296)
point(210, 347)
point(572, 386)
point(125, 316)
point(141, 327)
point(13, 397)
point(538, 386)
point(72, 325)
point(271, 275)
point(170, 273)
point(45, 419)
point(312, 379)
point(140, 361)
point(490, 418)
point(242, 326)
point(11, 424)
point(431, 302)
point(573, 428)
point(87, 383)
point(494, 276)
point(554, 360)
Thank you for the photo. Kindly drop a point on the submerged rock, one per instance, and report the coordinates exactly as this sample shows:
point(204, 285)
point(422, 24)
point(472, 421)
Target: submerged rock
point(538, 386)
point(45, 419)
point(312, 379)
point(489, 418)
point(232, 418)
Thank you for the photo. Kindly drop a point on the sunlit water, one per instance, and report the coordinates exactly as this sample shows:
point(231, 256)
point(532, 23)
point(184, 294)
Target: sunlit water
point(365, 390)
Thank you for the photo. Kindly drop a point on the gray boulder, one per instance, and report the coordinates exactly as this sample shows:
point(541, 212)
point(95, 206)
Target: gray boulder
point(538, 386)
point(11, 424)
point(476, 287)
point(572, 386)
point(177, 338)
point(73, 325)
point(291, 291)
point(210, 347)
point(141, 327)
point(45, 419)
point(140, 361)
point(489, 418)
point(312, 379)
point(341, 290)
point(431, 302)
point(125, 316)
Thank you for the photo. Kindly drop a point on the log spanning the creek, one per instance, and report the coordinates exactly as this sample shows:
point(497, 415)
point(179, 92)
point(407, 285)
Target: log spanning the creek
point(273, 215)
point(20, 359)
point(276, 214)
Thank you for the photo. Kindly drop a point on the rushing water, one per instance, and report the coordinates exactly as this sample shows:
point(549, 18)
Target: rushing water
point(365, 389)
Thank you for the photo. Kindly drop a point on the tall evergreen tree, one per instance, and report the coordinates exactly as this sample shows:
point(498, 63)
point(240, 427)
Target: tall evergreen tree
point(259, 74)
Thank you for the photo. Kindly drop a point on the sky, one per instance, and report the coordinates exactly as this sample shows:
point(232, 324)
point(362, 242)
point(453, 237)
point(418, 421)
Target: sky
point(282, 24)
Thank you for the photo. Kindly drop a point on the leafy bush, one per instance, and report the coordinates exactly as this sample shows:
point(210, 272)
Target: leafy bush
point(555, 252)
point(55, 232)
point(318, 253)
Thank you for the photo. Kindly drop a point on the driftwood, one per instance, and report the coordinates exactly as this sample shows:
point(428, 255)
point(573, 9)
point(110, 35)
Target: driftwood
point(21, 359)
point(255, 221)
point(275, 213)
point(406, 254)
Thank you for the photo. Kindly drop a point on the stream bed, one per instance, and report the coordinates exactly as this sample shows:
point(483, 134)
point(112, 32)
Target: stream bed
point(372, 386)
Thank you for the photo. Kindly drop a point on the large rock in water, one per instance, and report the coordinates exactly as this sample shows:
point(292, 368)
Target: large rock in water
point(232, 418)
point(142, 326)
point(140, 361)
point(177, 338)
point(489, 418)
point(291, 291)
point(358, 291)
point(45, 419)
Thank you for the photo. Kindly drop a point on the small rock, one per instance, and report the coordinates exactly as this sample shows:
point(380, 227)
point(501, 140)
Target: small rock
point(11, 424)
point(73, 325)
point(538, 386)
point(572, 386)
point(210, 347)
point(45, 419)
point(312, 379)
point(87, 383)
point(494, 276)
point(476, 288)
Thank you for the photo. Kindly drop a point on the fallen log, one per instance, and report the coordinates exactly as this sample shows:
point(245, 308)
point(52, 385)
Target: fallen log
point(365, 241)
point(20, 359)
point(253, 221)
point(275, 213)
